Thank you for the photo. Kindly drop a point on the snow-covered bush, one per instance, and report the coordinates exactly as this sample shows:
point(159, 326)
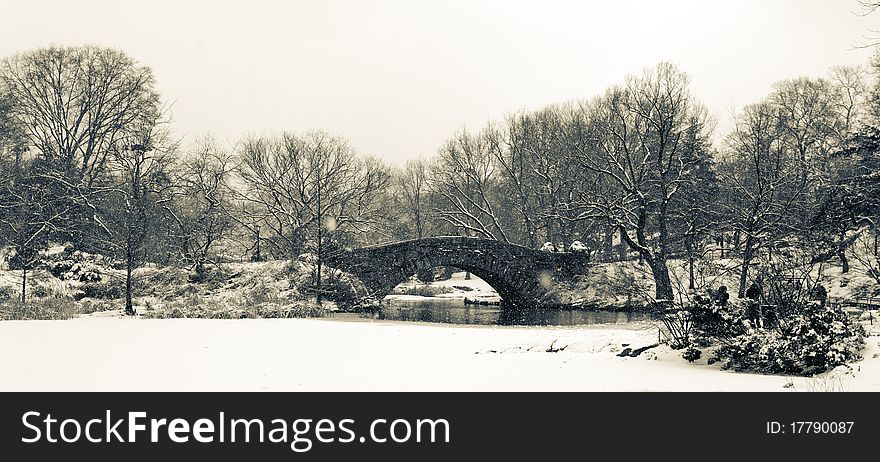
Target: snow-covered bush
point(73, 265)
point(816, 339)
point(71, 269)
point(578, 246)
point(697, 320)
point(691, 354)
point(548, 247)
point(347, 291)
point(711, 320)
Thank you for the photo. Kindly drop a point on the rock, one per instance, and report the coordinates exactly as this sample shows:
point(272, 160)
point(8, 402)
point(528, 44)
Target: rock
point(632, 353)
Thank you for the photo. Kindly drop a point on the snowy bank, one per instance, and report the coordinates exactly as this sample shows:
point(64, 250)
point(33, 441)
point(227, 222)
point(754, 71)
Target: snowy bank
point(108, 353)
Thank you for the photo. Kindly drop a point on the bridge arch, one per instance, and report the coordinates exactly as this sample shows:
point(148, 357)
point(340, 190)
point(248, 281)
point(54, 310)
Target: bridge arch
point(520, 275)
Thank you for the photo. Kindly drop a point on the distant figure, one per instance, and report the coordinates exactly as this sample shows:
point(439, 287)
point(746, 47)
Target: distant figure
point(820, 294)
point(754, 291)
point(721, 296)
point(753, 309)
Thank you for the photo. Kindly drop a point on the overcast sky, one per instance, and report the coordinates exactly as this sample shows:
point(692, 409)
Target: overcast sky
point(399, 77)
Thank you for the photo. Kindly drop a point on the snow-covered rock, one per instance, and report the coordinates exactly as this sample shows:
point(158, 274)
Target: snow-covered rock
point(548, 247)
point(578, 246)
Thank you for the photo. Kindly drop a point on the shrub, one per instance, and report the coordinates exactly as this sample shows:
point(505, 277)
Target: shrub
point(8, 293)
point(291, 310)
point(347, 291)
point(41, 309)
point(40, 291)
point(93, 306)
point(59, 268)
point(712, 320)
point(217, 311)
point(691, 354)
point(106, 290)
point(679, 327)
point(813, 341)
point(425, 291)
point(258, 295)
point(72, 270)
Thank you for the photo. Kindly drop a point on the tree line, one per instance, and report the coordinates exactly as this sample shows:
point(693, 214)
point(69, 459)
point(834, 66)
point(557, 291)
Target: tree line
point(88, 156)
point(642, 170)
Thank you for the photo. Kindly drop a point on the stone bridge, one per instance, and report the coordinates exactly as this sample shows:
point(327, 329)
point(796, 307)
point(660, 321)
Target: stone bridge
point(520, 275)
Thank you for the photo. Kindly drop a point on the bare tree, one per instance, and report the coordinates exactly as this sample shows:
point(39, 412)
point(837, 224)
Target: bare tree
point(464, 177)
point(29, 214)
point(75, 105)
point(644, 143)
point(309, 191)
point(75, 102)
point(128, 208)
point(199, 202)
point(763, 180)
point(851, 93)
point(868, 7)
point(535, 177)
point(695, 214)
point(413, 187)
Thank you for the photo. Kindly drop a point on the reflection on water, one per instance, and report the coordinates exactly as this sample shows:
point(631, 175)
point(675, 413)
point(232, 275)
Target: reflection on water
point(454, 311)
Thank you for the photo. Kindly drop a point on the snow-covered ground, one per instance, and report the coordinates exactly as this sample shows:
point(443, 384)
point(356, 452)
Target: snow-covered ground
point(107, 352)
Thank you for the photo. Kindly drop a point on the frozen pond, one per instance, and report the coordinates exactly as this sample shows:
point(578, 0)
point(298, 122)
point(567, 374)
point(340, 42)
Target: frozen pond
point(454, 311)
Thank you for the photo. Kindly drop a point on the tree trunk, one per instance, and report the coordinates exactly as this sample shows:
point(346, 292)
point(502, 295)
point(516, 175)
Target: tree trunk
point(564, 233)
point(691, 267)
point(548, 231)
point(608, 249)
point(129, 263)
point(318, 283)
point(841, 253)
point(318, 295)
point(662, 282)
point(257, 256)
point(23, 284)
point(320, 216)
point(744, 273)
